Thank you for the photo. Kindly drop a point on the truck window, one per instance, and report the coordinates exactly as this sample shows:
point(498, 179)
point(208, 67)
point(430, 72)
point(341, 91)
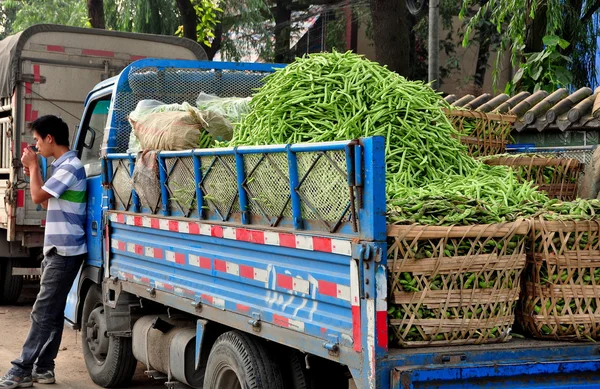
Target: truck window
point(94, 133)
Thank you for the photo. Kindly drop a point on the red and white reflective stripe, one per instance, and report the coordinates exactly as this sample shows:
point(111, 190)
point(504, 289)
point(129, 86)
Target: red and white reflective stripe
point(381, 307)
point(334, 290)
point(199, 261)
point(254, 273)
point(153, 252)
point(162, 285)
point(283, 321)
point(215, 301)
point(297, 241)
point(174, 257)
point(98, 53)
point(227, 267)
point(292, 283)
point(20, 198)
point(55, 48)
point(355, 303)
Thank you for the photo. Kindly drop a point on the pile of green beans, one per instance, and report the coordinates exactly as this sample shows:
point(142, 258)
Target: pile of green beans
point(340, 96)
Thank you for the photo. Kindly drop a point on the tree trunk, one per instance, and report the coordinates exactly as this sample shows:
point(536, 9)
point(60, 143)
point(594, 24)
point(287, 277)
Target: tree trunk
point(216, 43)
point(188, 18)
point(486, 33)
point(96, 13)
point(536, 29)
point(283, 28)
point(391, 34)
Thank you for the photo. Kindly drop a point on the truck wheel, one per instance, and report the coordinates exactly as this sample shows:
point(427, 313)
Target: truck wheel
point(10, 286)
point(238, 361)
point(109, 360)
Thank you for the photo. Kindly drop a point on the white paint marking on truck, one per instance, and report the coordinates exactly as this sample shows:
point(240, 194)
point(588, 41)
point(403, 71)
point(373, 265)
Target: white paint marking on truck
point(300, 285)
point(146, 222)
point(304, 242)
point(261, 275)
point(163, 224)
point(233, 268)
point(229, 233)
point(184, 227)
point(170, 256)
point(129, 220)
point(114, 244)
point(218, 302)
point(343, 292)
point(315, 284)
point(343, 247)
point(149, 252)
point(271, 238)
point(370, 303)
point(205, 229)
point(296, 325)
point(114, 218)
point(194, 260)
point(131, 248)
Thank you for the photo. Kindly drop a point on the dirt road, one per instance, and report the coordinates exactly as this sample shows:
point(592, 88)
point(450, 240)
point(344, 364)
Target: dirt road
point(71, 372)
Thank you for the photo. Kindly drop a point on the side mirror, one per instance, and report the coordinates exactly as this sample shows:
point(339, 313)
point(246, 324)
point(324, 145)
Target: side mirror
point(90, 138)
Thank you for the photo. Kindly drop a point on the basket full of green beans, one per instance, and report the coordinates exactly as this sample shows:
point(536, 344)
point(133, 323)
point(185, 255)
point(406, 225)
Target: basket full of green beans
point(483, 133)
point(452, 285)
point(558, 177)
point(562, 289)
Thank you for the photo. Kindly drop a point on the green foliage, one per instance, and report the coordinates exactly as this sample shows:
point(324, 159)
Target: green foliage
point(147, 16)
point(17, 15)
point(207, 13)
point(568, 19)
point(546, 70)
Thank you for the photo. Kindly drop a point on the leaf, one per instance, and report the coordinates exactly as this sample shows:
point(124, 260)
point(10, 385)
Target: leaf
point(563, 43)
point(518, 75)
point(551, 40)
point(563, 76)
point(536, 72)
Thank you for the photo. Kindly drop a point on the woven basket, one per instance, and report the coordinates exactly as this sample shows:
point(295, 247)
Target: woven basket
point(483, 133)
point(561, 295)
point(454, 285)
point(558, 177)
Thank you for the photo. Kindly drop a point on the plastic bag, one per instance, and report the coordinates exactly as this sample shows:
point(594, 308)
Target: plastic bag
point(176, 127)
point(146, 181)
point(232, 108)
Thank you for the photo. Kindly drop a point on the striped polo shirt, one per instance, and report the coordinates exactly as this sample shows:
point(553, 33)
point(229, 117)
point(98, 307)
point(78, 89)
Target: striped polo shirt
point(65, 220)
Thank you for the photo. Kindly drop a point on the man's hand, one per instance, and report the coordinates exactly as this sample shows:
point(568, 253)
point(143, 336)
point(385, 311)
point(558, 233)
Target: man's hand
point(28, 159)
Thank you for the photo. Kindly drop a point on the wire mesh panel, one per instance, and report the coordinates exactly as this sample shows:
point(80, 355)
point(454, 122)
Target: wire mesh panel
point(181, 186)
point(219, 186)
point(323, 188)
point(268, 186)
point(121, 183)
point(172, 85)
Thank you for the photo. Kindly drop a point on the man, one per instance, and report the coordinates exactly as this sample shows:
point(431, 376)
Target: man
point(64, 195)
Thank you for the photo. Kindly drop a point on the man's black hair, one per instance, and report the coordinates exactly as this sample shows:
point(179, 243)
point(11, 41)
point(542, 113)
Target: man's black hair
point(51, 125)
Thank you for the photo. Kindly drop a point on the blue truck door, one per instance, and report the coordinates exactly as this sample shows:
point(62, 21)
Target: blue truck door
point(87, 143)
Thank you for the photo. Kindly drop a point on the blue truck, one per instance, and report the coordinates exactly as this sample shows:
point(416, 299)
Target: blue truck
point(259, 266)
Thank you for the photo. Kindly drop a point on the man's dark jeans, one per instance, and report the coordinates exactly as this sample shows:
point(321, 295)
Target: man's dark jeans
point(47, 317)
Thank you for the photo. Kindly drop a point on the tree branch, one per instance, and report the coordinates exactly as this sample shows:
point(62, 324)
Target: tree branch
point(588, 15)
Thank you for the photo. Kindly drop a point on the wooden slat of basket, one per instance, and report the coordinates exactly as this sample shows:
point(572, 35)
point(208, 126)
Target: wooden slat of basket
point(558, 188)
point(490, 142)
point(520, 227)
point(577, 319)
point(450, 265)
point(571, 258)
point(440, 326)
point(567, 225)
point(563, 291)
point(480, 115)
point(457, 342)
point(433, 299)
point(535, 161)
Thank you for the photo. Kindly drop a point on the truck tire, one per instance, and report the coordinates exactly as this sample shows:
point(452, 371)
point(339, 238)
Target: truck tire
point(109, 360)
point(238, 361)
point(10, 286)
